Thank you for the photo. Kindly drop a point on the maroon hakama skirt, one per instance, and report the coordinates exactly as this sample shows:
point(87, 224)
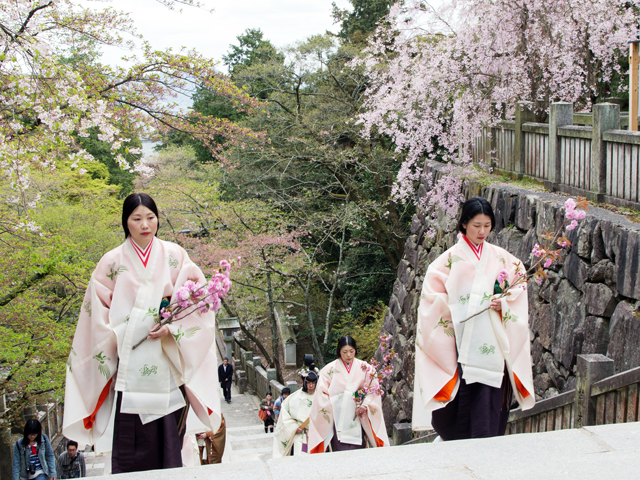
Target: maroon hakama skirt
point(156, 445)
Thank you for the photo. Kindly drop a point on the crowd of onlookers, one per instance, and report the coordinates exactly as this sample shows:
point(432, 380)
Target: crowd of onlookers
point(33, 457)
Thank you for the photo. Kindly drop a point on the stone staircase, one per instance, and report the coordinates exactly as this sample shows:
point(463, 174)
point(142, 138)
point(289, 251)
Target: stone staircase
point(589, 453)
point(246, 440)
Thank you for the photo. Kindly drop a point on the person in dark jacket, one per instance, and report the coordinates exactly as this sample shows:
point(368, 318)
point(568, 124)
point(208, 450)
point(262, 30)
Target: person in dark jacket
point(71, 464)
point(33, 457)
point(225, 376)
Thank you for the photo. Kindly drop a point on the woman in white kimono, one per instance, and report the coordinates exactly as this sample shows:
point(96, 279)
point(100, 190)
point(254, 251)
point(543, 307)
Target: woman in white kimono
point(335, 421)
point(467, 371)
point(141, 396)
point(291, 434)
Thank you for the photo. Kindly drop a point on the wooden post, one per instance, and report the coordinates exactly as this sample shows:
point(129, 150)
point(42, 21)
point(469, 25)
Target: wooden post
point(402, 433)
point(634, 64)
point(606, 116)
point(591, 368)
point(524, 114)
point(560, 114)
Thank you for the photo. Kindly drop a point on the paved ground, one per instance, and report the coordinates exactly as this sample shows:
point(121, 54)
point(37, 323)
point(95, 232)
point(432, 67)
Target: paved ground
point(97, 465)
point(246, 440)
point(592, 453)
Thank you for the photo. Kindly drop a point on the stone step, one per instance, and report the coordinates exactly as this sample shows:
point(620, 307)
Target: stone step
point(590, 453)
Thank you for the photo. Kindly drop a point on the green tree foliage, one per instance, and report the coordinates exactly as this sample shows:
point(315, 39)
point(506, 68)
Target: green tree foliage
point(365, 329)
point(44, 271)
point(362, 20)
point(252, 49)
point(321, 172)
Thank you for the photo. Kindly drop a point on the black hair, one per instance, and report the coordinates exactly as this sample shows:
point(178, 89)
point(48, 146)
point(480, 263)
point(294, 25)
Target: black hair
point(225, 358)
point(269, 393)
point(344, 341)
point(312, 378)
point(72, 443)
point(286, 391)
point(132, 202)
point(472, 207)
point(32, 426)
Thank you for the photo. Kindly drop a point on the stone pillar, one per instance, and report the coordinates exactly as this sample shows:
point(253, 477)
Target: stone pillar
point(560, 114)
point(257, 362)
point(272, 374)
point(241, 381)
point(606, 116)
point(591, 368)
point(524, 114)
point(402, 433)
point(247, 358)
point(293, 386)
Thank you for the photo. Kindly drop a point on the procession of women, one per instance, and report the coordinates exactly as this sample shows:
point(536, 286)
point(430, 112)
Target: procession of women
point(144, 355)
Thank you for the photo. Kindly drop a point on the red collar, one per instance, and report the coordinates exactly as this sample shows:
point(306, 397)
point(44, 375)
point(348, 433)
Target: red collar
point(477, 250)
point(143, 255)
point(348, 367)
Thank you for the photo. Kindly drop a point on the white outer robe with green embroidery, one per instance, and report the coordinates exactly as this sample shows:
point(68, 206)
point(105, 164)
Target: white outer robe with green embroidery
point(294, 412)
point(457, 285)
point(119, 307)
point(333, 405)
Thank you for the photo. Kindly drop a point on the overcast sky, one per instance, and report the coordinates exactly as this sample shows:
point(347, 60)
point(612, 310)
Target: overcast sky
point(282, 21)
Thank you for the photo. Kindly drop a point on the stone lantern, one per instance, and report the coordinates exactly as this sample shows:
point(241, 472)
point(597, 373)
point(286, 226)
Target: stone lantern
point(228, 326)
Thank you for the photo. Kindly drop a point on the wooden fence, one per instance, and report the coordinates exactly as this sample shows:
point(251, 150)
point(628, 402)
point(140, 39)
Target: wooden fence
point(600, 398)
point(581, 154)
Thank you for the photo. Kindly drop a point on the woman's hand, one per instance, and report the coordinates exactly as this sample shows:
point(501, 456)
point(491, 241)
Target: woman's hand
point(299, 431)
point(361, 411)
point(158, 333)
point(496, 305)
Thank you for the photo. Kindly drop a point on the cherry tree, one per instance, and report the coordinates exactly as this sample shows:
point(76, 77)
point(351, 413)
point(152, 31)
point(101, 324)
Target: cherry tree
point(47, 103)
point(439, 74)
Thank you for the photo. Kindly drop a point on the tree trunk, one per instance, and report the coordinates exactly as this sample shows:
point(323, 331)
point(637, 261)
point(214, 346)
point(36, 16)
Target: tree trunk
point(275, 335)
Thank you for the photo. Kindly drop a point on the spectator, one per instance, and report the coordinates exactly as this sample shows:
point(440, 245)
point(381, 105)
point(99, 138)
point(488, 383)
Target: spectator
point(266, 410)
point(33, 457)
point(277, 405)
point(225, 376)
point(71, 463)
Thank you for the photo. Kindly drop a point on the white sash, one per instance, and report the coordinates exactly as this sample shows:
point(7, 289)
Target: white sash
point(145, 375)
point(479, 340)
point(347, 423)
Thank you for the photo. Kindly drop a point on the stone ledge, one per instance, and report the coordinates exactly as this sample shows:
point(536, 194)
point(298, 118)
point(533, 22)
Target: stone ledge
point(606, 451)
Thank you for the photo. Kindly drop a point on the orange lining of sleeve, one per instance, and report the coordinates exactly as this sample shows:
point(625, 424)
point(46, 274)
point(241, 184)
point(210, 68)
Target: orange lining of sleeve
point(445, 393)
point(89, 421)
point(523, 391)
point(318, 448)
point(379, 442)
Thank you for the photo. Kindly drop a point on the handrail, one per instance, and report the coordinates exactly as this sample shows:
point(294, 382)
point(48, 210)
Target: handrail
point(615, 382)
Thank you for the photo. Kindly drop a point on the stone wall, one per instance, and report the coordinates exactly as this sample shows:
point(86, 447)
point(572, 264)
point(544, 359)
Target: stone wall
point(588, 305)
point(249, 374)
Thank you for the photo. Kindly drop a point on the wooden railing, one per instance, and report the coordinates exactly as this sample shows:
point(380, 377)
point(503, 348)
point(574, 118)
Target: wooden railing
point(581, 154)
point(601, 398)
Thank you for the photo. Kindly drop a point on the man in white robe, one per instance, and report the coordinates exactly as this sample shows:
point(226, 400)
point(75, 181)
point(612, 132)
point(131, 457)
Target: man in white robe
point(290, 437)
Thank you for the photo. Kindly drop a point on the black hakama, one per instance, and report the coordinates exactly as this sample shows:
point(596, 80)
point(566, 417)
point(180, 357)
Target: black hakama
point(477, 411)
point(156, 445)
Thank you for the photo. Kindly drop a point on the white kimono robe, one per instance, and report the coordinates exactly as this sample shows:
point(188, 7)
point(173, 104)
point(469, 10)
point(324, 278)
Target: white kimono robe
point(334, 405)
point(459, 284)
point(119, 307)
point(294, 412)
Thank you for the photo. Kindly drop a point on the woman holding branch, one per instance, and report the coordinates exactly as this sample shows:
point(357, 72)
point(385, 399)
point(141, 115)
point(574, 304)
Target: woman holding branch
point(472, 338)
point(145, 388)
point(342, 416)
